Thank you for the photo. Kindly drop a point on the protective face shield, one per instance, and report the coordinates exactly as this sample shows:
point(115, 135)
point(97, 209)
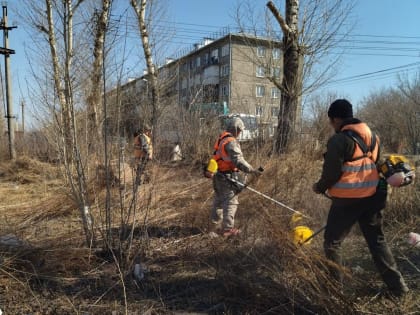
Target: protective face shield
point(236, 125)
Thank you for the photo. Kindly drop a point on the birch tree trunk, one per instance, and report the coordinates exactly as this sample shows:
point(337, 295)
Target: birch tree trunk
point(291, 86)
point(63, 87)
point(139, 7)
point(94, 97)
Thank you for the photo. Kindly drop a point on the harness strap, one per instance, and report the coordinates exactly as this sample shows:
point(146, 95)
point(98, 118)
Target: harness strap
point(362, 144)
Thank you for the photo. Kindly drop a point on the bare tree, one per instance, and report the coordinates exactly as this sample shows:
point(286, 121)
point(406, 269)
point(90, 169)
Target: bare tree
point(94, 97)
point(56, 21)
point(395, 115)
point(140, 8)
point(310, 30)
point(62, 73)
point(292, 78)
point(383, 111)
point(411, 92)
point(317, 120)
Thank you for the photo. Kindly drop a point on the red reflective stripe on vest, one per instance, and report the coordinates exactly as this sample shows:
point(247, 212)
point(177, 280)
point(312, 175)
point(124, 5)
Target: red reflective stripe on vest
point(360, 177)
point(220, 155)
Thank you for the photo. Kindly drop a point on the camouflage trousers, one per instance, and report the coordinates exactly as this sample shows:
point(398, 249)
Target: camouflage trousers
point(225, 202)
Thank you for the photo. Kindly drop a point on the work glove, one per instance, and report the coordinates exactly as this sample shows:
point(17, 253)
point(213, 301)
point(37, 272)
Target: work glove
point(257, 172)
point(315, 189)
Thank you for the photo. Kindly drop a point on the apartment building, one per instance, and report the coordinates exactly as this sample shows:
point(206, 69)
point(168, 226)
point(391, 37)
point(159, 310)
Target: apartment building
point(236, 70)
point(233, 73)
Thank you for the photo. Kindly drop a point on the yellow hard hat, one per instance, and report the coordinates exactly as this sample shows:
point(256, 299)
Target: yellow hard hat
point(300, 234)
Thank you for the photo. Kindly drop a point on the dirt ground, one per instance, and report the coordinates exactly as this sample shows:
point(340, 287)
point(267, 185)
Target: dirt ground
point(46, 267)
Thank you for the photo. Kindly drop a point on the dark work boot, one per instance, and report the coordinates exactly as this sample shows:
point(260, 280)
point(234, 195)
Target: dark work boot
point(399, 292)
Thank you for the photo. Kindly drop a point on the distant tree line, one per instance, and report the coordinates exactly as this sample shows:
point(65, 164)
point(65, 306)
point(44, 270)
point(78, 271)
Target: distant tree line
point(395, 114)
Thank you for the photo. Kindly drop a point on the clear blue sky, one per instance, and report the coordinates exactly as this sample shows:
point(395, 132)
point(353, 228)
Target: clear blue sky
point(386, 36)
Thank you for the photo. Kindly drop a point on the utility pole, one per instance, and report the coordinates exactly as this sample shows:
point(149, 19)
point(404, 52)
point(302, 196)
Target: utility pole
point(7, 52)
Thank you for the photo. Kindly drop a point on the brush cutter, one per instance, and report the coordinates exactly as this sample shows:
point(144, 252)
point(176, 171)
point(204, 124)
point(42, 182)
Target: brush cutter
point(300, 234)
point(267, 197)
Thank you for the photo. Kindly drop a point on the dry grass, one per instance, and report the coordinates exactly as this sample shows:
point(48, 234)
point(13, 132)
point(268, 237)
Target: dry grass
point(259, 272)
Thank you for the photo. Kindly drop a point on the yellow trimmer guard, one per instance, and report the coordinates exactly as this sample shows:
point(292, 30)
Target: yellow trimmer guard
point(301, 233)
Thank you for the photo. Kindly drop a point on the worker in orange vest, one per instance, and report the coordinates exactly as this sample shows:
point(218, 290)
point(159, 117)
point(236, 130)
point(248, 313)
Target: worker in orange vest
point(229, 158)
point(143, 150)
point(350, 177)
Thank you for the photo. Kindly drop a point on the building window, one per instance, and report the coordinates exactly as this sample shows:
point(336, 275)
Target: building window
point(260, 71)
point(206, 59)
point(225, 90)
point(260, 92)
point(275, 72)
point(275, 92)
point(225, 50)
point(275, 111)
point(214, 57)
point(198, 62)
point(261, 51)
point(225, 70)
point(276, 53)
point(259, 110)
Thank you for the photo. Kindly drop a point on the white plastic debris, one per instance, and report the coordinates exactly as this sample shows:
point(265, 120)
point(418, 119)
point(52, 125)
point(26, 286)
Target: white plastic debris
point(176, 153)
point(138, 272)
point(414, 239)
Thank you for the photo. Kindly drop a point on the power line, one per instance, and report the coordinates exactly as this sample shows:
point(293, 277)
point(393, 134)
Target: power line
point(380, 74)
point(377, 51)
point(205, 28)
point(379, 71)
point(164, 23)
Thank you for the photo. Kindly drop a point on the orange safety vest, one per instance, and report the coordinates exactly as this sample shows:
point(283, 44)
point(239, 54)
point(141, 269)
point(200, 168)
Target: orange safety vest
point(138, 150)
point(224, 163)
point(360, 175)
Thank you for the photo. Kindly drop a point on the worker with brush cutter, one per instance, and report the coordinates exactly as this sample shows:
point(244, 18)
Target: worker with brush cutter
point(229, 158)
point(350, 177)
point(143, 152)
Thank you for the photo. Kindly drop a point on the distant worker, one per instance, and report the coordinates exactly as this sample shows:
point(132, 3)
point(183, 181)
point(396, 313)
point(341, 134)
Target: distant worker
point(143, 151)
point(229, 158)
point(350, 178)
